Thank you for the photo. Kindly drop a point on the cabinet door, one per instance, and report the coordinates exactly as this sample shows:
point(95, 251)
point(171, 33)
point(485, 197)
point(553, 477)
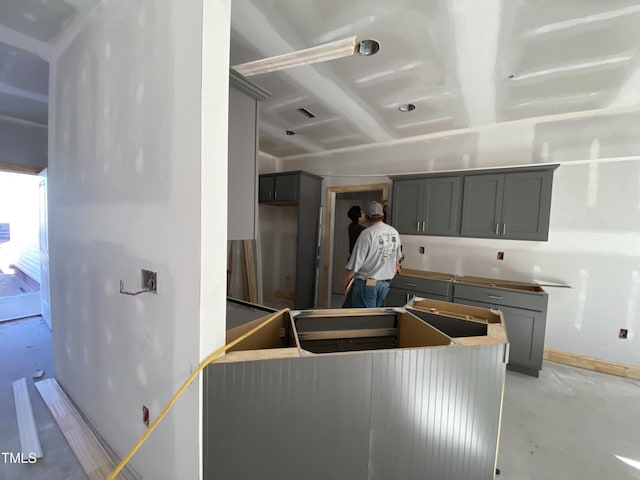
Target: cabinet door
point(406, 215)
point(397, 297)
point(241, 173)
point(441, 207)
point(482, 206)
point(286, 188)
point(525, 330)
point(526, 205)
point(265, 188)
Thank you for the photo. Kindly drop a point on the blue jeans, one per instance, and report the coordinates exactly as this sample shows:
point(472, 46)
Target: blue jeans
point(368, 297)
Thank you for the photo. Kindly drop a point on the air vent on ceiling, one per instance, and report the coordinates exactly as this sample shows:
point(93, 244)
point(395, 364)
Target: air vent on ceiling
point(306, 112)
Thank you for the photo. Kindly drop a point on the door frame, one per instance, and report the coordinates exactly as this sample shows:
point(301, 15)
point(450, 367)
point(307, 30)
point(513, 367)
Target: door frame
point(329, 219)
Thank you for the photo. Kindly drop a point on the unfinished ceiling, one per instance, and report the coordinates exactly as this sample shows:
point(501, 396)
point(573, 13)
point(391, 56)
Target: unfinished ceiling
point(462, 63)
point(28, 29)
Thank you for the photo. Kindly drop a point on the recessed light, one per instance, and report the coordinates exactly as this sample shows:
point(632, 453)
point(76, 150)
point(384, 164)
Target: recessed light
point(367, 47)
point(290, 132)
point(407, 107)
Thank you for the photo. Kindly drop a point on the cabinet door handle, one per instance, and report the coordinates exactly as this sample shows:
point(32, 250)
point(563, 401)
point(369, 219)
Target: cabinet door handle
point(418, 227)
point(424, 224)
point(496, 297)
point(504, 228)
point(269, 195)
point(497, 227)
point(411, 285)
point(275, 195)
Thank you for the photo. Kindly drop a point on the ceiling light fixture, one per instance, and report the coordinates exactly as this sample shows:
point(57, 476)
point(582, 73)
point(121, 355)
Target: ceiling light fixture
point(321, 53)
point(306, 112)
point(407, 107)
point(367, 47)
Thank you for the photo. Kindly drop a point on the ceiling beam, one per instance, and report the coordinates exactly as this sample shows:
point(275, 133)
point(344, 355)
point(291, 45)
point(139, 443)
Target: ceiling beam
point(252, 25)
point(19, 40)
point(18, 92)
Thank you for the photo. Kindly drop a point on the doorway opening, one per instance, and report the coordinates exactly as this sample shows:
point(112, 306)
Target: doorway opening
point(21, 199)
point(335, 241)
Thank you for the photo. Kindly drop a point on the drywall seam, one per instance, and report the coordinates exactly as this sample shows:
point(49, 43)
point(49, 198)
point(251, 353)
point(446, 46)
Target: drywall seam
point(19, 40)
point(476, 28)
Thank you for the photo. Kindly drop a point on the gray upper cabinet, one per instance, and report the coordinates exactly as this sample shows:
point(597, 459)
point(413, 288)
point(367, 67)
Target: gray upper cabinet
point(512, 205)
point(428, 206)
point(508, 203)
point(278, 188)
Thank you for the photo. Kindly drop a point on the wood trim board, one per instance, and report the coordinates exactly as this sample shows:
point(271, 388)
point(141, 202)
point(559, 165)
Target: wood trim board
point(92, 456)
point(29, 439)
point(591, 363)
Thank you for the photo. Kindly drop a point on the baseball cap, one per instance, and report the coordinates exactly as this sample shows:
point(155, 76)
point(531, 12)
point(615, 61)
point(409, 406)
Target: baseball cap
point(373, 210)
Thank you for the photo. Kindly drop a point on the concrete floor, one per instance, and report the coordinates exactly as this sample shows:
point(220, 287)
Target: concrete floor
point(567, 424)
point(17, 298)
point(25, 346)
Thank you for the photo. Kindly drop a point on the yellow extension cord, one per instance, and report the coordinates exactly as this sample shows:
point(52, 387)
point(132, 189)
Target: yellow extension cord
point(192, 377)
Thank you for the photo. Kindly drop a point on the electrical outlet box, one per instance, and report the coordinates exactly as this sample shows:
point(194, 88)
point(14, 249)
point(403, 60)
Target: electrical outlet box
point(623, 333)
point(500, 256)
point(421, 250)
point(150, 280)
point(145, 415)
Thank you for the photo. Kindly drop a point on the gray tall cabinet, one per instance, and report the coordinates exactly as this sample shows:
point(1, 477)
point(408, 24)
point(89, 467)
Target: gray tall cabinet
point(304, 190)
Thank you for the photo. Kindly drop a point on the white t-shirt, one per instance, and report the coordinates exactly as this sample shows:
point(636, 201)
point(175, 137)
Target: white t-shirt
point(376, 252)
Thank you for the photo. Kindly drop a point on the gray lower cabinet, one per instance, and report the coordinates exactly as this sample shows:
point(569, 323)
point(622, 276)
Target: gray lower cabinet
point(512, 206)
point(404, 288)
point(525, 326)
point(428, 206)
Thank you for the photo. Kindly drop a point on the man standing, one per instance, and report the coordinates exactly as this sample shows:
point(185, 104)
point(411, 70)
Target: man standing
point(374, 261)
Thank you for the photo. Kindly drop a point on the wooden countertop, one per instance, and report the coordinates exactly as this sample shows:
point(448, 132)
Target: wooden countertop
point(471, 280)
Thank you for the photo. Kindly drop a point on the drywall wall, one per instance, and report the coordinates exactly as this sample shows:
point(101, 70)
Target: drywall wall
point(127, 162)
point(23, 145)
point(595, 218)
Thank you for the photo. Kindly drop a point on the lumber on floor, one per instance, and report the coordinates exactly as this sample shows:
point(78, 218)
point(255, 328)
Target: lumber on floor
point(91, 455)
point(591, 363)
point(29, 439)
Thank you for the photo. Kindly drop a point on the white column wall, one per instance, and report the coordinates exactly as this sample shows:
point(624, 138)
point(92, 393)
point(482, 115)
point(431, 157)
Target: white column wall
point(128, 157)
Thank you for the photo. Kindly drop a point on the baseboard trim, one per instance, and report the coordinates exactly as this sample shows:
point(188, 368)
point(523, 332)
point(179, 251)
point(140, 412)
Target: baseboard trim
point(590, 363)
